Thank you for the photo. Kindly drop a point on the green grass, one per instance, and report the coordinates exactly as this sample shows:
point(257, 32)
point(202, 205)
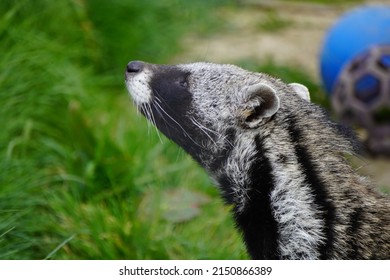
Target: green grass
point(76, 161)
point(334, 2)
point(273, 22)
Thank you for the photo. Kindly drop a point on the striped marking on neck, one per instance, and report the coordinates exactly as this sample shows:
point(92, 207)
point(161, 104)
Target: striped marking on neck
point(319, 189)
point(257, 220)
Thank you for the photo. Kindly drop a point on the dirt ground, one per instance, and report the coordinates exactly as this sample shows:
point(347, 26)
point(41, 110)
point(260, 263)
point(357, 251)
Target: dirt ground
point(287, 33)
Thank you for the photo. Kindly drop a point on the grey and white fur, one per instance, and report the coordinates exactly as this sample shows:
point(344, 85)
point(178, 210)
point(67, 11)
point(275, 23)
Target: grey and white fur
point(274, 155)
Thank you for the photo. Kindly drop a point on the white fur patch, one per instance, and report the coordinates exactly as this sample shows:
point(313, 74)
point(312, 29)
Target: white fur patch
point(139, 88)
point(237, 167)
point(300, 228)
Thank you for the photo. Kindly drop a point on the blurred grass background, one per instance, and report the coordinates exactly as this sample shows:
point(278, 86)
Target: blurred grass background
point(76, 160)
point(81, 174)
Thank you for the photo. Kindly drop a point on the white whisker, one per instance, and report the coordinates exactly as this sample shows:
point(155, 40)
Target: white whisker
point(170, 117)
point(146, 112)
point(153, 120)
point(203, 129)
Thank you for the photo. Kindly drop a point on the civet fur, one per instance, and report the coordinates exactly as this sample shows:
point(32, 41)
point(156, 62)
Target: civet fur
point(274, 155)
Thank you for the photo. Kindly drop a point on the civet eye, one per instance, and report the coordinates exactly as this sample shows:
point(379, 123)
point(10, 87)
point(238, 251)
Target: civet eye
point(183, 83)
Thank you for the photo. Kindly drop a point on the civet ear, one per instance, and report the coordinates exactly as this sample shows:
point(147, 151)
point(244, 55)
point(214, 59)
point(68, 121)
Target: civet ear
point(261, 102)
point(301, 90)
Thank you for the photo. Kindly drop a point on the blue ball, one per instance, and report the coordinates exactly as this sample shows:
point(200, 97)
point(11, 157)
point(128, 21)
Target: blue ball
point(356, 32)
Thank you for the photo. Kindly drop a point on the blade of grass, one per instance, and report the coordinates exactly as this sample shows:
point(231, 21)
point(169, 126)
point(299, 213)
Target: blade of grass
point(56, 249)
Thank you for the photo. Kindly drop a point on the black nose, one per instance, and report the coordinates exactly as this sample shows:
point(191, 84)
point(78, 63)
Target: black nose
point(135, 66)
